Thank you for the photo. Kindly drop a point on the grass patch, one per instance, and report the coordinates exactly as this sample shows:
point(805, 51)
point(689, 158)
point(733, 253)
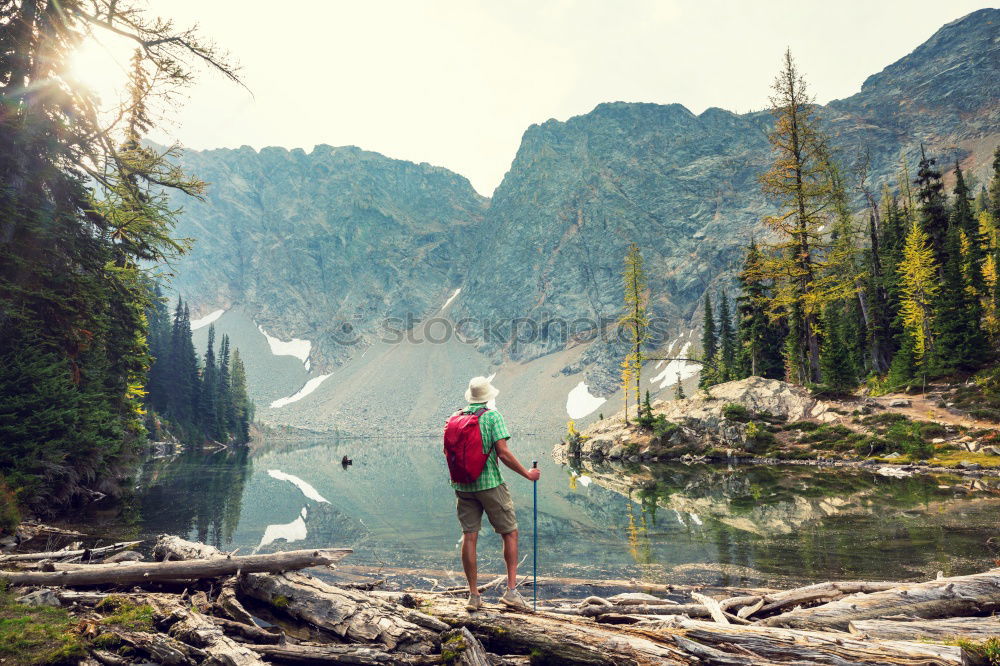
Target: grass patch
point(942, 458)
point(37, 634)
point(982, 652)
point(125, 614)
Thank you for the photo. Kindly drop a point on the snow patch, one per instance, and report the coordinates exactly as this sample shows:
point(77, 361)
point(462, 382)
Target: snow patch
point(669, 374)
point(584, 480)
point(694, 518)
point(451, 298)
point(679, 518)
point(206, 320)
point(304, 486)
point(290, 532)
point(580, 402)
point(309, 387)
point(295, 347)
point(492, 404)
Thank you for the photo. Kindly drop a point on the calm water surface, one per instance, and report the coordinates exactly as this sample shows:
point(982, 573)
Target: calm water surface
point(661, 523)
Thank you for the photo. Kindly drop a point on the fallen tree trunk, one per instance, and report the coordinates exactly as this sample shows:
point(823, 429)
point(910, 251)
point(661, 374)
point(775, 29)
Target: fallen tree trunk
point(349, 614)
point(972, 628)
point(556, 640)
point(139, 572)
point(808, 647)
point(248, 632)
point(460, 648)
point(692, 610)
point(336, 654)
point(88, 553)
point(978, 594)
point(821, 592)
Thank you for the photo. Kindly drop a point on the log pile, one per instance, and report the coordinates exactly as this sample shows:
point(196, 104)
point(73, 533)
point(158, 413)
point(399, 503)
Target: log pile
point(212, 607)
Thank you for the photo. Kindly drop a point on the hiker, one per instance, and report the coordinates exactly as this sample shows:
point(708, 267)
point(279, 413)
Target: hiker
point(475, 439)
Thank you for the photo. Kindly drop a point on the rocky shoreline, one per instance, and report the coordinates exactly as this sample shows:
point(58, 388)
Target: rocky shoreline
point(759, 421)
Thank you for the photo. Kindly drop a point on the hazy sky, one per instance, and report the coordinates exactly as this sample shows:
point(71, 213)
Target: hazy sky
point(455, 83)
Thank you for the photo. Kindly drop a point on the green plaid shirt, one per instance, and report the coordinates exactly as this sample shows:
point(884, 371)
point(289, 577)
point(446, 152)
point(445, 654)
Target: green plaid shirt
point(493, 428)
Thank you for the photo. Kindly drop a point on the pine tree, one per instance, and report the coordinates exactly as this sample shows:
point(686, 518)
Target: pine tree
point(956, 314)
point(727, 342)
point(208, 412)
point(759, 337)
point(635, 319)
point(964, 219)
point(244, 408)
point(679, 390)
point(801, 182)
point(933, 207)
point(225, 409)
point(994, 187)
point(709, 347)
point(839, 374)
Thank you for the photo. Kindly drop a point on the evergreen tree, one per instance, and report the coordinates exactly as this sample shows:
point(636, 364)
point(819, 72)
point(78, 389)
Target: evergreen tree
point(993, 200)
point(759, 337)
point(964, 219)
point(727, 342)
point(679, 390)
point(839, 374)
point(208, 412)
point(709, 346)
point(225, 407)
point(243, 406)
point(958, 341)
point(932, 205)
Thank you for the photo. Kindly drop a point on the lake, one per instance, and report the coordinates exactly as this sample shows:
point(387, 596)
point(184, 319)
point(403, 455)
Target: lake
point(659, 523)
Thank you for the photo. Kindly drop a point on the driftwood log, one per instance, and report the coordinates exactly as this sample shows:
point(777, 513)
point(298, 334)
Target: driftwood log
point(960, 596)
point(196, 629)
point(560, 640)
point(170, 547)
point(949, 629)
point(351, 615)
point(460, 648)
point(806, 647)
point(139, 572)
point(336, 654)
point(87, 553)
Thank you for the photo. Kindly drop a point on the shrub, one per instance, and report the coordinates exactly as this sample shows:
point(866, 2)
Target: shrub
point(759, 438)
point(736, 412)
point(929, 430)
point(884, 419)
point(803, 426)
point(907, 437)
point(662, 428)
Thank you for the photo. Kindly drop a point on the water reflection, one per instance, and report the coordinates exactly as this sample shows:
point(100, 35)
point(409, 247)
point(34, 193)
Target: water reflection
point(668, 522)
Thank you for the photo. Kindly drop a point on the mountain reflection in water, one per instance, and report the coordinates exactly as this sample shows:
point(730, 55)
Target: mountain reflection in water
point(663, 523)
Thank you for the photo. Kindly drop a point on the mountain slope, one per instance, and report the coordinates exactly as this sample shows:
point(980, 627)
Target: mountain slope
point(305, 244)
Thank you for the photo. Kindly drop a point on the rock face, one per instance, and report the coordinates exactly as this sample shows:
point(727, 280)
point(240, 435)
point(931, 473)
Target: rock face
point(325, 246)
point(711, 420)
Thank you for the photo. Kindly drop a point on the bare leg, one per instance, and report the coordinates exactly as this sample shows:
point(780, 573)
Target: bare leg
point(469, 560)
point(510, 557)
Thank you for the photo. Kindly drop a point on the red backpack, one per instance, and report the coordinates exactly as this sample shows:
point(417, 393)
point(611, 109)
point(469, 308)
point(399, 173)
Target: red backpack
point(463, 446)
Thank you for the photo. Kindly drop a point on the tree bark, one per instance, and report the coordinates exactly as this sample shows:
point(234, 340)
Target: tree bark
point(140, 572)
point(821, 592)
point(809, 647)
point(906, 629)
point(692, 610)
point(198, 630)
point(978, 594)
point(247, 632)
point(336, 654)
point(349, 614)
point(556, 640)
point(463, 649)
point(87, 553)
point(175, 548)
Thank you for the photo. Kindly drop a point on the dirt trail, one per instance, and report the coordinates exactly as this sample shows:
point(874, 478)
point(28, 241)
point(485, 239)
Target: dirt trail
point(925, 409)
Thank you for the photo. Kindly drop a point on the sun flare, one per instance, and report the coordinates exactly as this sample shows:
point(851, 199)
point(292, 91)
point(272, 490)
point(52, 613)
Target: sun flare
point(101, 68)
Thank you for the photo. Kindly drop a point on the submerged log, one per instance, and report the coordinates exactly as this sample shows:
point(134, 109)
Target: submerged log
point(349, 614)
point(87, 553)
point(978, 594)
point(561, 640)
point(972, 628)
point(139, 572)
point(808, 647)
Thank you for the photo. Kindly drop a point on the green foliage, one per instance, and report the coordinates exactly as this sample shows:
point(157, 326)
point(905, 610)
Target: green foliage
point(736, 412)
point(758, 336)
point(37, 634)
point(758, 438)
point(709, 346)
point(662, 428)
point(982, 653)
point(126, 615)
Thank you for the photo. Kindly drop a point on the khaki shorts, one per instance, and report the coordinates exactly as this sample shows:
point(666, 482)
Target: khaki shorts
point(497, 504)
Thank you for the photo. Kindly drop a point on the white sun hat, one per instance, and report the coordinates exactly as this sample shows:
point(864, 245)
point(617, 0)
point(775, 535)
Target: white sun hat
point(480, 390)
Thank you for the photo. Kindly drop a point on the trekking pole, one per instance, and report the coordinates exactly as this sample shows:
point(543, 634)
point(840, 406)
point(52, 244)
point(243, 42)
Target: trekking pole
point(534, 549)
